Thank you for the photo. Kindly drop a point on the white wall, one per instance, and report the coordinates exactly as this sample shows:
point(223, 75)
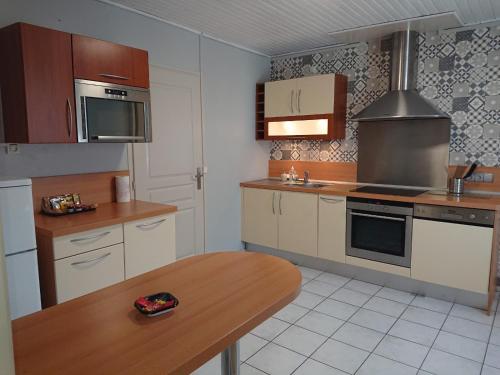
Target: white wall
point(231, 152)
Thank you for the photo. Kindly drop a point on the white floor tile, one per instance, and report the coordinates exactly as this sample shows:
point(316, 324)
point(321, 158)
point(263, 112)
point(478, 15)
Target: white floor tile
point(269, 329)
point(312, 367)
point(320, 287)
point(385, 306)
point(249, 370)
point(320, 323)
point(291, 313)
point(422, 316)
point(495, 336)
point(332, 278)
point(467, 328)
point(374, 320)
point(276, 360)
point(488, 370)
point(300, 340)
point(360, 337)
point(249, 345)
point(422, 372)
point(401, 350)
point(341, 356)
point(308, 300)
point(441, 363)
point(496, 323)
point(414, 332)
point(363, 287)
point(395, 295)
point(309, 273)
point(350, 296)
point(377, 365)
point(433, 304)
point(461, 346)
point(493, 356)
point(305, 280)
point(336, 309)
point(212, 367)
point(471, 313)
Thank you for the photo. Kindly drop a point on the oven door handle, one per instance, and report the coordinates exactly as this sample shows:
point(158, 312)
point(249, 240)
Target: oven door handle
point(377, 216)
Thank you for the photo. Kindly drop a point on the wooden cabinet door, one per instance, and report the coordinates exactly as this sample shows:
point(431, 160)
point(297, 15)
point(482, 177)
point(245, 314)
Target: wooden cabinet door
point(298, 222)
point(260, 217)
point(48, 88)
point(85, 273)
point(315, 94)
point(331, 227)
point(99, 60)
point(280, 98)
point(149, 244)
point(453, 255)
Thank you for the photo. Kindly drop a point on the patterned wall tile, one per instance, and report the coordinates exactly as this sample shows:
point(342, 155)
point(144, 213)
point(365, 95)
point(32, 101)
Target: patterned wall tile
point(459, 71)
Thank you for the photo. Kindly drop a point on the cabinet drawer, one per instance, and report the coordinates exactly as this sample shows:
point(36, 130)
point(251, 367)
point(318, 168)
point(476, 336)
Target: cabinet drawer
point(88, 272)
point(149, 244)
point(78, 243)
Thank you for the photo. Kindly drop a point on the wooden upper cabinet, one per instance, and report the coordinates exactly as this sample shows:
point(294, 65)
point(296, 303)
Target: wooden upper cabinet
point(306, 108)
point(98, 60)
point(36, 81)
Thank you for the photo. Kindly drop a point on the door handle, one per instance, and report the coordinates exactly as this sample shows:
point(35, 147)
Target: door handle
point(331, 200)
point(281, 212)
point(378, 216)
point(291, 100)
point(199, 174)
point(298, 100)
point(69, 115)
point(149, 225)
point(114, 76)
point(274, 211)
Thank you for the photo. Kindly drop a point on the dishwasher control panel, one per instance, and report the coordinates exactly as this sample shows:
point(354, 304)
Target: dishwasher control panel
point(455, 214)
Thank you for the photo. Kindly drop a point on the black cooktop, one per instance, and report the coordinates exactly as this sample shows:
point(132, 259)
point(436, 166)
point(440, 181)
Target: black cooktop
point(389, 191)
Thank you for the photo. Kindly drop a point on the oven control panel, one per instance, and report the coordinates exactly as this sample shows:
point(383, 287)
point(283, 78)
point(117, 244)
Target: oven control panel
point(455, 214)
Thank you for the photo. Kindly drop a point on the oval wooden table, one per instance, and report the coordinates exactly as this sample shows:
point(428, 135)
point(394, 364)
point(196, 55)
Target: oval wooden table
point(222, 297)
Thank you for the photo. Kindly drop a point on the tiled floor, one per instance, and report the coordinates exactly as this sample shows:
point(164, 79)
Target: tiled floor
point(342, 326)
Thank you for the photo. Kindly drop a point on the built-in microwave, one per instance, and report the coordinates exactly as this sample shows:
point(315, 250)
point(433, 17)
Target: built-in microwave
point(108, 112)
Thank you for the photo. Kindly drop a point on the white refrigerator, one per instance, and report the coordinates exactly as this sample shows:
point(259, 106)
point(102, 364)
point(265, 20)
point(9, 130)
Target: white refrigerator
point(19, 242)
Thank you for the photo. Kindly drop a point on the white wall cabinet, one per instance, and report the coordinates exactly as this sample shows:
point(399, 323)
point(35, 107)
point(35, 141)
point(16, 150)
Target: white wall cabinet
point(298, 222)
point(332, 228)
point(311, 95)
point(453, 255)
point(149, 244)
point(260, 217)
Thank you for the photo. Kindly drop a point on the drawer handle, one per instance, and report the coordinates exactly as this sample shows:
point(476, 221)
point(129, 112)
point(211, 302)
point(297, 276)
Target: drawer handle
point(114, 76)
point(143, 226)
point(91, 260)
point(90, 237)
point(331, 200)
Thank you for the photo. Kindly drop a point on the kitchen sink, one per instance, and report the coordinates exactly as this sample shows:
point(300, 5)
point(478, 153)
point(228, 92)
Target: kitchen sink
point(306, 185)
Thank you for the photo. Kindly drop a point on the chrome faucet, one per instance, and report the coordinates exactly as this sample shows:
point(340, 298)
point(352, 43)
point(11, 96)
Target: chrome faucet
point(306, 177)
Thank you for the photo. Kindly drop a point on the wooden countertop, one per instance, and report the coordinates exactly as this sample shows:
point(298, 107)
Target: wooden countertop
point(105, 214)
point(480, 201)
point(222, 296)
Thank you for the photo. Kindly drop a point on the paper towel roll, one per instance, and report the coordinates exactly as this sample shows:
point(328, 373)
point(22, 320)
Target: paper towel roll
point(122, 184)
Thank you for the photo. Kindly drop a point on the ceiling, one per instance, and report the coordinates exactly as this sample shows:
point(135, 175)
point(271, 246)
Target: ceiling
point(275, 27)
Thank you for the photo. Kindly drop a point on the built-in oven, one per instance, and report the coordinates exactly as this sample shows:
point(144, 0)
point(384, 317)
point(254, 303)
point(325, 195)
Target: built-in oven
point(107, 112)
point(379, 230)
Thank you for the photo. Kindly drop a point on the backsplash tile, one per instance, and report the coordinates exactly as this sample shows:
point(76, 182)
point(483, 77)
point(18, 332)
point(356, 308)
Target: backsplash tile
point(459, 71)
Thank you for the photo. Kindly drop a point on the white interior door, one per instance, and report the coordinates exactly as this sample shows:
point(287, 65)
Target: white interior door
point(163, 170)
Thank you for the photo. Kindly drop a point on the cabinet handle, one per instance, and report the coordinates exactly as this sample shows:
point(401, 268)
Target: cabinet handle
point(114, 76)
point(91, 260)
point(274, 212)
point(90, 237)
point(298, 100)
point(281, 212)
point(148, 225)
point(331, 200)
point(291, 100)
point(70, 117)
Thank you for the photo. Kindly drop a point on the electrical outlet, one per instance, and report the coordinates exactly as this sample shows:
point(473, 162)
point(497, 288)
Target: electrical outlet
point(12, 148)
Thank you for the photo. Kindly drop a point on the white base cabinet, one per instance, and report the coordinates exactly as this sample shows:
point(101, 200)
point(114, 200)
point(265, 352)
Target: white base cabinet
point(332, 228)
point(260, 217)
point(149, 244)
point(453, 255)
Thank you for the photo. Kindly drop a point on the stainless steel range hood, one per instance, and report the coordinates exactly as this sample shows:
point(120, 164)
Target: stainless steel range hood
point(402, 102)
